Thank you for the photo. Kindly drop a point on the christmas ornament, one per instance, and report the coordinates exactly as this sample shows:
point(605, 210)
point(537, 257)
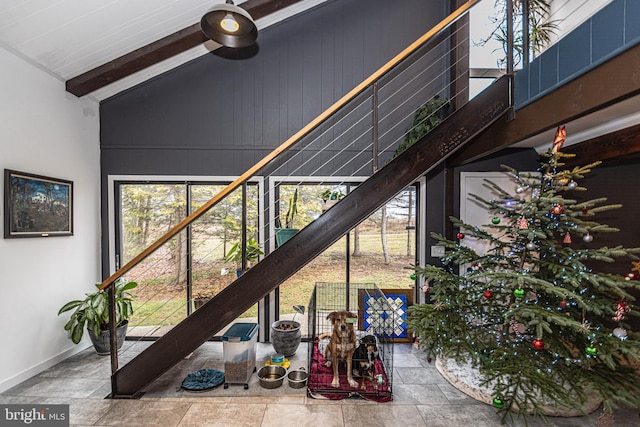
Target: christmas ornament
point(621, 310)
point(498, 403)
point(538, 345)
point(518, 293)
point(563, 304)
point(591, 351)
point(620, 333)
point(487, 294)
point(460, 236)
point(519, 190)
point(587, 238)
point(531, 246)
point(426, 289)
point(413, 276)
point(495, 220)
point(572, 185)
point(516, 328)
point(585, 210)
point(557, 210)
point(567, 238)
point(476, 266)
point(558, 140)
point(636, 266)
point(523, 224)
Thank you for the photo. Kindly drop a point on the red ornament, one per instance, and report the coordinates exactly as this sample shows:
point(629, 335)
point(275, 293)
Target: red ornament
point(563, 304)
point(487, 294)
point(557, 210)
point(567, 238)
point(460, 236)
point(538, 345)
point(585, 210)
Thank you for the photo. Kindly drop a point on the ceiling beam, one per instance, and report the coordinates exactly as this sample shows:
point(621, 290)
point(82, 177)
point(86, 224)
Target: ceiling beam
point(617, 146)
point(611, 82)
point(160, 50)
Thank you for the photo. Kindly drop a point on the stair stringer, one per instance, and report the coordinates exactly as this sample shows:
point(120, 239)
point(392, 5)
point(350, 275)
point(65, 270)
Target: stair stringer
point(452, 133)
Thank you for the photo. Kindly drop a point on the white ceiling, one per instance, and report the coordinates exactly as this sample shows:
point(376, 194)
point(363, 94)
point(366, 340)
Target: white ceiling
point(66, 38)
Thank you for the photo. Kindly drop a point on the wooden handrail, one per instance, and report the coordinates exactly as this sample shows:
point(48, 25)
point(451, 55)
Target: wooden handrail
point(453, 17)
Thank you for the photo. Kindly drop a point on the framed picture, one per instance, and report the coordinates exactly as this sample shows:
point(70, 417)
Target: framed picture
point(389, 316)
point(37, 206)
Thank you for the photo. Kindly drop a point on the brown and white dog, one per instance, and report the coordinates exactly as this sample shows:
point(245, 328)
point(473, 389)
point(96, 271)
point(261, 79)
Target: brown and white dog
point(342, 344)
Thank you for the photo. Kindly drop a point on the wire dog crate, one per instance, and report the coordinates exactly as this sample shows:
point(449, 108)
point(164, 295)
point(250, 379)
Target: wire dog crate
point(370, 315)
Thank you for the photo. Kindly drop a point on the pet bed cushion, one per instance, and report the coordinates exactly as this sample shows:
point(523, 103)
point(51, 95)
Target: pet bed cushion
point(202, 380)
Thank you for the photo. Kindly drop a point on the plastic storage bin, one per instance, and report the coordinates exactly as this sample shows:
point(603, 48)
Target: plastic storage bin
point(239, 348)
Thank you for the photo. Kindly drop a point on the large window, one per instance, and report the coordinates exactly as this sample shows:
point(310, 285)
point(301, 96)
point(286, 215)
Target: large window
point(193, 265)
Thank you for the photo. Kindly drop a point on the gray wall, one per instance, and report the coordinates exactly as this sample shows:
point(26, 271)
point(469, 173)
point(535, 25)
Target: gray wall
point(217, 116)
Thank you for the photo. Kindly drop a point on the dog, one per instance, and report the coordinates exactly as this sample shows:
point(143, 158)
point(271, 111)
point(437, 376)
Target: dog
point(364, 360)
point(342, 344)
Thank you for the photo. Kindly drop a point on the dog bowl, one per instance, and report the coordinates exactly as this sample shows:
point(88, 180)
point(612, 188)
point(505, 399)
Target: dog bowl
point(297, 378)
point(277, 359)
point(271, 376)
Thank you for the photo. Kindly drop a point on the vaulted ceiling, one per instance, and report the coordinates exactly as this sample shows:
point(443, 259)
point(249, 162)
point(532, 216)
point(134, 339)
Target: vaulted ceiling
point(100, 48)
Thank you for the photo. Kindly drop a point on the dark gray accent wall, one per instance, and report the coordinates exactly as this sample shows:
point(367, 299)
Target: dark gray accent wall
point(217, 116)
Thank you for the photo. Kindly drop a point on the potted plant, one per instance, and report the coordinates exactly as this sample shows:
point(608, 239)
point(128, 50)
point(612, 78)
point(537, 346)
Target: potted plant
point(285, 233)
point(92, 314)
point(286, 335)
point(253, 254)
point(329, 197)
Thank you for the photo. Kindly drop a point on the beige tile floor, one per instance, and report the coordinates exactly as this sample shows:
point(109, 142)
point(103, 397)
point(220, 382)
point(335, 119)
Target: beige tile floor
point(421, 397)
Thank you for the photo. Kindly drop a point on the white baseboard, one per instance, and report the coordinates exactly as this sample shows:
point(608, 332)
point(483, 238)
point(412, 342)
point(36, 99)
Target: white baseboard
point(40, 367)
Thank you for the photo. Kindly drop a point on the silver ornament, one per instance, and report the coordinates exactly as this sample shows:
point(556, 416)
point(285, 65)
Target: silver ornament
point(587, 238)
point(531, 246)
point(620, 333)
point(519, 190)
point(572, 185)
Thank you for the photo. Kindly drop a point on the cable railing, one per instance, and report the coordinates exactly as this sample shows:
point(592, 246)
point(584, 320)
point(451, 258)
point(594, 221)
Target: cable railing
point(341, 147)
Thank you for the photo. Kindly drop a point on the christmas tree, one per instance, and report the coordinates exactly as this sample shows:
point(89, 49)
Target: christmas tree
point(527, 311)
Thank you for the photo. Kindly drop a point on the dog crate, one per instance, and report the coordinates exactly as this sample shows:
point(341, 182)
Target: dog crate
point(372, 315)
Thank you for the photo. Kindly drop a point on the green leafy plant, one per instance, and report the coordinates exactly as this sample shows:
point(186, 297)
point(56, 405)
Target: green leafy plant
point(541, 28)
point(254, 250)
point(291, 213)
point(93, 312)
point(329, 194)
point(425, 119)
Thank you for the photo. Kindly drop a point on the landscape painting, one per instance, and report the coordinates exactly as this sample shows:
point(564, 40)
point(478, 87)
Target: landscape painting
point(37, 206)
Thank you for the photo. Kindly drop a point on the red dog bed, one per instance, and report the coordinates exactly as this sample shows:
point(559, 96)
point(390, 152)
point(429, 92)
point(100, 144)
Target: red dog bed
point(320, 377)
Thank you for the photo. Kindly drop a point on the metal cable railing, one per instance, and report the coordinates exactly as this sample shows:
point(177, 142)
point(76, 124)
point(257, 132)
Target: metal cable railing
point(341, 147)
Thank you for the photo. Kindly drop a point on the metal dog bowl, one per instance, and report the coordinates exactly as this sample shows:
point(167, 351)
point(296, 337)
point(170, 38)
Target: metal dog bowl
point(271, 376)
point(297, 378)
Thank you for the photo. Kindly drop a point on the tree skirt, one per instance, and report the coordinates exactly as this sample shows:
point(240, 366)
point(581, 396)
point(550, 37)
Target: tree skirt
point(320, 377)
point(467, 379)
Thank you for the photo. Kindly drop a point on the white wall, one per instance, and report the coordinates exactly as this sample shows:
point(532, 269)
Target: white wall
point(45, 131)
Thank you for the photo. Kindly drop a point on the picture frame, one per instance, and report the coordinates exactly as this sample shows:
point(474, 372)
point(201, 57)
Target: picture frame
point(395, 322)
point(36, 205)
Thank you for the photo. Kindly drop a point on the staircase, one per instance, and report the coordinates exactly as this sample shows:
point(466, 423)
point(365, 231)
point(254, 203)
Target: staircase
point(458, 129)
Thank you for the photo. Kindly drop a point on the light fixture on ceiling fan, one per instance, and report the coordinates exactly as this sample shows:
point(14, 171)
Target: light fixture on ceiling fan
point(229, 25)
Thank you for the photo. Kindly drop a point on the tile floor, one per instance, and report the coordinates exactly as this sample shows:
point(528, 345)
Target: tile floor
point(421, 397)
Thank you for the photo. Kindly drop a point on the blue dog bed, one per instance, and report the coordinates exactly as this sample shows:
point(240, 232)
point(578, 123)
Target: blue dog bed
point(204, 379)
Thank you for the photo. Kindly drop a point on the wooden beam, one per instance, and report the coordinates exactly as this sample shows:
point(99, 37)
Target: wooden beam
point(617, 146)
point(614, 81)
point(160, 50)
